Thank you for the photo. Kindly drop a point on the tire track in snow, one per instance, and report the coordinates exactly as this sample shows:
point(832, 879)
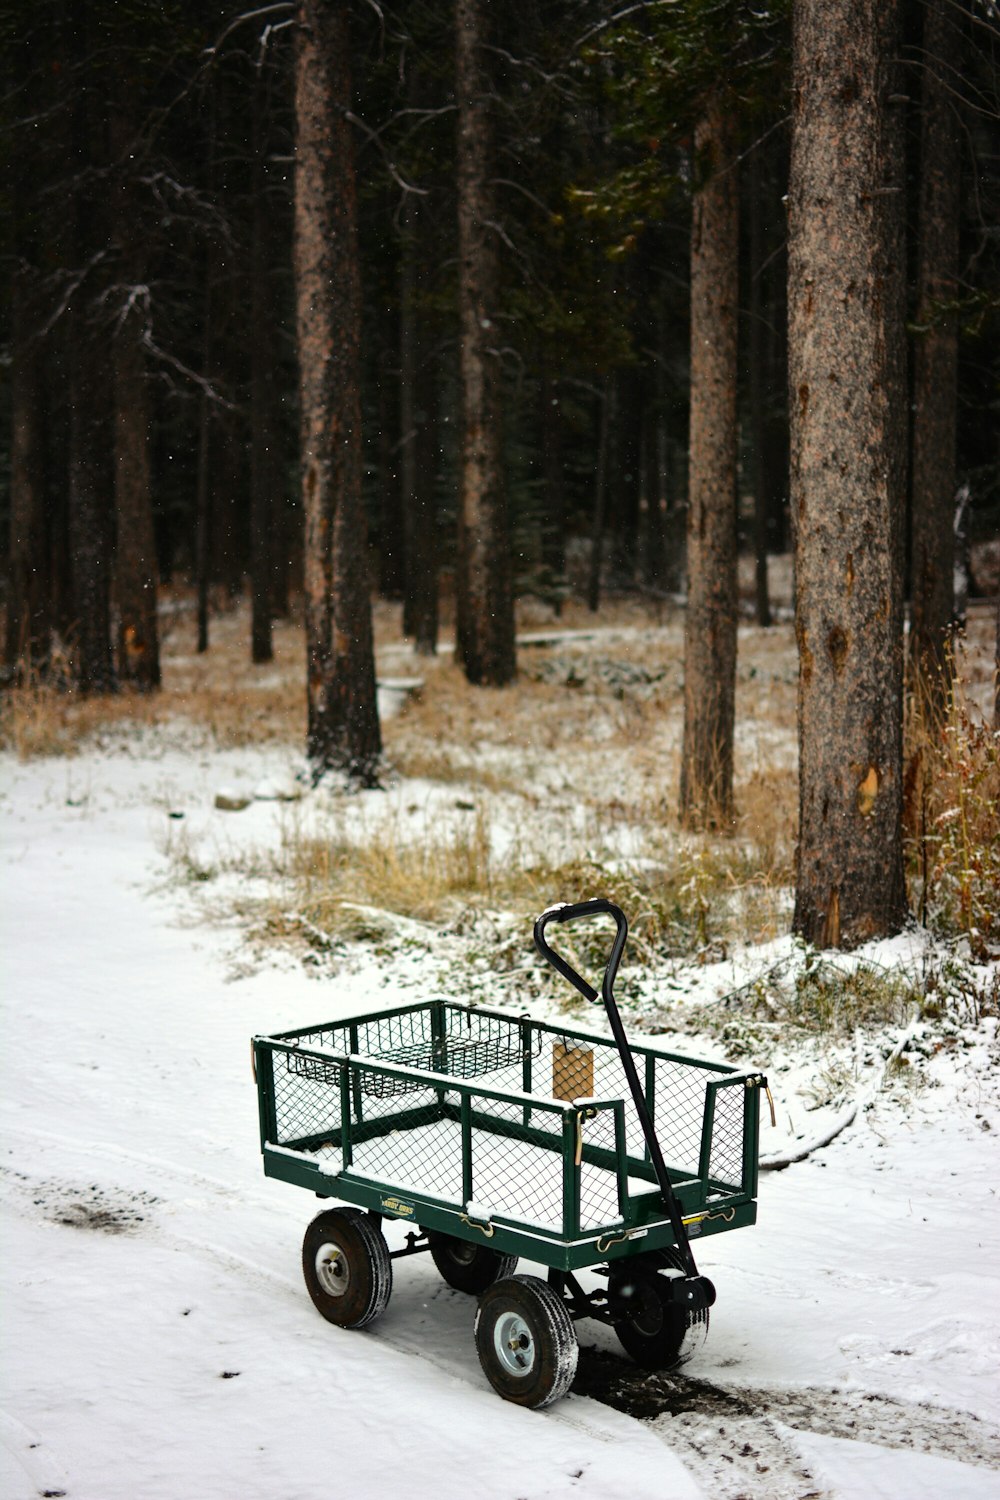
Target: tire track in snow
point(738, 1440)
point(732, 1438)
point(40, 1467)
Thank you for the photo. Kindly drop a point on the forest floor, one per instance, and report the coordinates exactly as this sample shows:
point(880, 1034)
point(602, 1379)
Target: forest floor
point(159, 1341)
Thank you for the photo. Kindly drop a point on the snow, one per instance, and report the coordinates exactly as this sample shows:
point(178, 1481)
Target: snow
point(159, 1340)
point(857, 1471)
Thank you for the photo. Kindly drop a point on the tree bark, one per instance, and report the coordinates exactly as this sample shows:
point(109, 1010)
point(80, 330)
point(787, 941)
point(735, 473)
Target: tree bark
point(706, 784)
point(343, 729)
point(605, 418)
point(135, 550)
point(759, 389)
point(138, 653)
point(29, 588)
point(484, 595)
point(936, 360)
point(89, 517)
point(90, 487)
point(262, 399)
point(553, 521)
point(418, 447)
point(847, 400)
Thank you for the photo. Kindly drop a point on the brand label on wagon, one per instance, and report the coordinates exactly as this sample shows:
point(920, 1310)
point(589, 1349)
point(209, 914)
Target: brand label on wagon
point(398, 1207)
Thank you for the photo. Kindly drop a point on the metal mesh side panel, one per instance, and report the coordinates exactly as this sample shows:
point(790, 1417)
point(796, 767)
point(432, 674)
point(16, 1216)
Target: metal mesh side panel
point(598, 1185)
point(516, 1178)
point(423, 1157)
point(306, 1097)
point(679, 1112)
point(677, 1103)
point(726, 1159)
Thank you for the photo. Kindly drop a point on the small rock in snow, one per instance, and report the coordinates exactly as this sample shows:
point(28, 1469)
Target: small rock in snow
point(230, 801)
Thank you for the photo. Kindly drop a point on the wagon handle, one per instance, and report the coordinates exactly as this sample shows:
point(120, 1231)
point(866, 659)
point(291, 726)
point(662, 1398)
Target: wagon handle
point(569, 912)
point(697, 1290)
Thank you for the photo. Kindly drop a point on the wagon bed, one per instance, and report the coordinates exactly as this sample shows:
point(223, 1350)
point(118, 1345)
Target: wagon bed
point(444, 1114)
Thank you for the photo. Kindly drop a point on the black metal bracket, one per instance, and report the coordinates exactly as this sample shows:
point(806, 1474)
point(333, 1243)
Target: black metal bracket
point(416, 1244)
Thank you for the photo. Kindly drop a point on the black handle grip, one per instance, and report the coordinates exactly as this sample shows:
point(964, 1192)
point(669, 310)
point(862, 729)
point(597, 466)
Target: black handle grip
point(570, 912)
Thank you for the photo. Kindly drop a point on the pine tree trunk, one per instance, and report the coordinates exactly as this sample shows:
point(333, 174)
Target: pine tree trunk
point(484, 596)
point(417, 447)
point(135, 551)
point(554, 489)
point(262, 400)
point(627, 471)
point(203, 486)
point(936, 358)
point(848, 467)
point(203, 500)
point(28, 590)
point(138, 650)
point(706, 786)
point(759, 383)
point(343, 728)
point(392, 548)
point(605, 420)
point(89, 518)
point(90, 483)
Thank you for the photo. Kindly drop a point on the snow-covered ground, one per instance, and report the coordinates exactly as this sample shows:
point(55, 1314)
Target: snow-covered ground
point(158, 1339)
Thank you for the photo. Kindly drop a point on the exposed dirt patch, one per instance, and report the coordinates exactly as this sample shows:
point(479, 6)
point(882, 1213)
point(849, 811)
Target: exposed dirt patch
point(87, 1206)
point(738, 1440)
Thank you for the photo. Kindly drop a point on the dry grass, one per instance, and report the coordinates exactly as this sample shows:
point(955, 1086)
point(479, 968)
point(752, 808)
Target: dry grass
point(580, 755)
point(953, 820)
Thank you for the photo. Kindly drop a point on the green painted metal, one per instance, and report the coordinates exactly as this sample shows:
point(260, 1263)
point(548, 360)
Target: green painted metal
point(340, 1117)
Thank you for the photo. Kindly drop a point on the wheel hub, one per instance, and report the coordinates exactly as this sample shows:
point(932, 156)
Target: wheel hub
point(514, 1345)
point(332, 1270)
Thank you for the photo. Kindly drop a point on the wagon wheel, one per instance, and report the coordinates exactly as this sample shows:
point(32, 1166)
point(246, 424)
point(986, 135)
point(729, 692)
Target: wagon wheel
point(346, 1265)
point(468, 1267)
point(526, 1341)
point(657, 1332)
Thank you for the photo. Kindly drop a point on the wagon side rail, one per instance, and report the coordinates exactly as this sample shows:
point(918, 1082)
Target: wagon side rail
point(728, 1164)
point(357, 1114)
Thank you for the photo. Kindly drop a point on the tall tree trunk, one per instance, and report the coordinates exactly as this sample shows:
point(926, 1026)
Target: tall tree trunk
point(554, 489)
point(135, 550)
point(936, 358)
point(262, 398)
point(627, 470)
point(203, 496)
point(29, 587)
point(484, 595)
point(203, 524)
point(759, 389)
point(89, 488)
point(417, 446)
point(848, 463)
point(605, 420)
point(138, 653)
point(343, 728)
point(706, 787)
point(89, 516)
point(391, 528)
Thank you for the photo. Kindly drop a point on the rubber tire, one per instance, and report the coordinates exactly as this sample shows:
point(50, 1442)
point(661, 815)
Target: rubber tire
point(468, 1267)
point(661, 1335)
point(552, 1334)
point(366, 1256)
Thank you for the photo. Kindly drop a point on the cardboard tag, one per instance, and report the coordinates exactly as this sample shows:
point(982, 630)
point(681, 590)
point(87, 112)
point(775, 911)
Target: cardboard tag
point(572, 1071)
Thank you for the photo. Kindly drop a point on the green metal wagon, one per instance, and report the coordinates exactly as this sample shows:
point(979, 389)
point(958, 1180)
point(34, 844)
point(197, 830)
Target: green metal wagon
point(499, 1137)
